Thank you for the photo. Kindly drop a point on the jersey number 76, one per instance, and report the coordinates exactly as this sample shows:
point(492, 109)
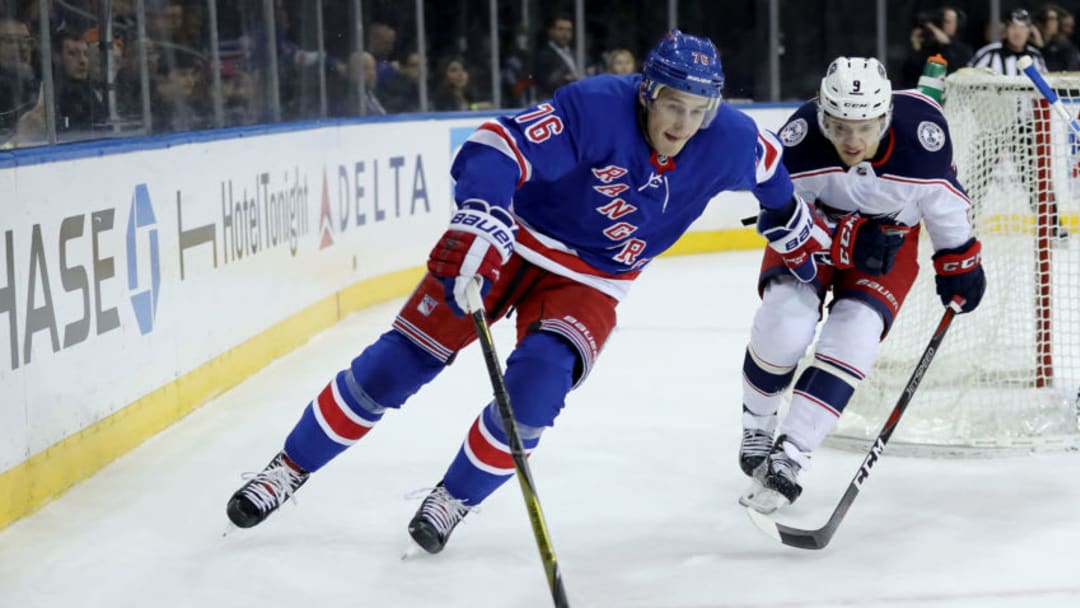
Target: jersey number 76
point(545, 123)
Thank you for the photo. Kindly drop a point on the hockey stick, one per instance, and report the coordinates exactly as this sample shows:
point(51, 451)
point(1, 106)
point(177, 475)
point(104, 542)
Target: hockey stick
point(817, 539)
point(517, 448)
point(1028, 67)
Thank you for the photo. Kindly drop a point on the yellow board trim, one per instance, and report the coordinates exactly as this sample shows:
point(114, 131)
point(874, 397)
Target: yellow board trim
point(45, 476)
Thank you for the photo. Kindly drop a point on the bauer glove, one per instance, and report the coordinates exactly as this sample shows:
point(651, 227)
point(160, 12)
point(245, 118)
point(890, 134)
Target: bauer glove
point(479, 240)
point(796, 238)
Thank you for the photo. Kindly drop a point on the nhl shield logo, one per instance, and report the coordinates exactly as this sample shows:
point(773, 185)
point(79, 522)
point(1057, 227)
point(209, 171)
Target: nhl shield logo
point(931, 136)
point(793, 132)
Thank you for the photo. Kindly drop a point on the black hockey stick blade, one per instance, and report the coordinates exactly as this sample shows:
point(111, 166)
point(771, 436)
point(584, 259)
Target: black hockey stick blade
point(792, 537)
point(819, 538)
point(800, 538)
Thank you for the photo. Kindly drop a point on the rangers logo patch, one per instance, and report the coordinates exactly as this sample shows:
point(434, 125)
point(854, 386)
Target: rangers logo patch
point(793, 132)
point(931, 136)
point(427, 305)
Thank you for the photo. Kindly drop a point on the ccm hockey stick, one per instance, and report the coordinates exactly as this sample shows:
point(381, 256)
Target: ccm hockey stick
point(817, 539)
point(517, 448)
point(1028, 67)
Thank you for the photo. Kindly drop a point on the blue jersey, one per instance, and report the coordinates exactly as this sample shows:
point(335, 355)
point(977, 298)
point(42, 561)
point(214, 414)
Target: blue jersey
point(910, 179)
point(593, 200)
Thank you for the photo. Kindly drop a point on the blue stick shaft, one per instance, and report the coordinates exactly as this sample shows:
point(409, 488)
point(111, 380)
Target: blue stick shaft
point(1055, 102)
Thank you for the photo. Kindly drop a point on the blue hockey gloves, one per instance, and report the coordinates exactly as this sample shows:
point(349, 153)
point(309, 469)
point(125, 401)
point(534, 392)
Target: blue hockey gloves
point(478, 242)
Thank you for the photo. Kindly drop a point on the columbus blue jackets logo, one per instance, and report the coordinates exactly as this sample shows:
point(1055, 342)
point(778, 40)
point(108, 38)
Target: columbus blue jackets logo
point(931, 136)
point(793, 132)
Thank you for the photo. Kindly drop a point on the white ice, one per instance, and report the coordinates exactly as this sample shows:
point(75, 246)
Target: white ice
point(638, 482)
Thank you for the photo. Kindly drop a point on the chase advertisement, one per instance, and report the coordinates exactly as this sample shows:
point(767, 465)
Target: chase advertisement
point(134, 269)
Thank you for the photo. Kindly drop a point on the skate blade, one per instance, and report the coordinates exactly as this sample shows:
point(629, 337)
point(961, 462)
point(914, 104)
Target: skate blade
point(763, 500)
point(412, 551)
point(230, 529)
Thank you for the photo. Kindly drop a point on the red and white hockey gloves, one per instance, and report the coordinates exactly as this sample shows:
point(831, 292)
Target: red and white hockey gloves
point(868, 244)
point(796, 238)
point(478, 242)
point(960, 273)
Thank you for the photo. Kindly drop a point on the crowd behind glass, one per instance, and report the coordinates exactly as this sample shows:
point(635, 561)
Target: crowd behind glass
point(93, 69)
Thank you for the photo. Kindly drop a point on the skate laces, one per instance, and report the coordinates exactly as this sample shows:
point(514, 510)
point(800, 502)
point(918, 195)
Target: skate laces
point(272, 486)
point(756, 442)
point(441, 509)
point(789, 460)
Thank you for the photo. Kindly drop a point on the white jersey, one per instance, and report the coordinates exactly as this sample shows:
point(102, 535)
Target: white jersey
point(910, 179)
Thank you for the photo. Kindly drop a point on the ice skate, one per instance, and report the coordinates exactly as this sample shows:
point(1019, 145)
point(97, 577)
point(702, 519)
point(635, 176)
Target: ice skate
point(775, 482)
point(757, 440)
point(265, 491)
point(436, 518)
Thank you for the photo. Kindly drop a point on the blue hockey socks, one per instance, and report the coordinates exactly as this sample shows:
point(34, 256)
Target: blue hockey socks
point(539, 374)
point(386, 374)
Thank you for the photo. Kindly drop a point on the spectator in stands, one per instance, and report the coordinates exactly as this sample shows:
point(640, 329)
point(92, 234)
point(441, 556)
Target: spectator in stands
point(1067, 25)
point(298, 68)
point(164, 20)
point(19, 85)
point(402, 94)
point(125, 21)
point(935, 32)
point(362, 65)
point(79, 107)
point(192, 29)
point(382, 40)
point(620, 62)
point(515, 76)
point(1059, 52)
point(129, 84)
point(94, 49)
point(73, 15)
point(454, 92)
point(237, 93)
point(554, 64)
point(183, 97)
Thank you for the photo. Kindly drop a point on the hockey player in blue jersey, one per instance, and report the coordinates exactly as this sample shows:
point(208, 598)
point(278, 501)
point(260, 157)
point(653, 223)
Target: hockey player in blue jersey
point(877, 165)
point(560, 208)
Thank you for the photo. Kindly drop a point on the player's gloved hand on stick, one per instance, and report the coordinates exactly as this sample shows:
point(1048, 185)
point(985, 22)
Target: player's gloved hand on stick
point(960, 273)
point(796, 237)
point(479, 240)
point(868, 244)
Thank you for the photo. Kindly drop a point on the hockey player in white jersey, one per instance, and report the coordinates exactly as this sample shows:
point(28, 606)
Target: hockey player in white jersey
point(873, 166)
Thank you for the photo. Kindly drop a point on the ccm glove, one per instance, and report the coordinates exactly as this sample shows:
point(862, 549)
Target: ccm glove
point(478, 242)
point(868, 244)
point(960, 273)
point(796, 237)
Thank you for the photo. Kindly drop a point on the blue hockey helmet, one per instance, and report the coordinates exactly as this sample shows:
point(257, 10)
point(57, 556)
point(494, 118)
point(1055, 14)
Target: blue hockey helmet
point(685, 63)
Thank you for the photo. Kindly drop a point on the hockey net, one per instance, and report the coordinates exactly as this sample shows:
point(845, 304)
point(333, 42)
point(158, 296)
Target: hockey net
point(1007, 376)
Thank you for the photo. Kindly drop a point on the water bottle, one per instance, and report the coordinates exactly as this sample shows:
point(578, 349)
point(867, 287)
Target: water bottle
point(932, 81)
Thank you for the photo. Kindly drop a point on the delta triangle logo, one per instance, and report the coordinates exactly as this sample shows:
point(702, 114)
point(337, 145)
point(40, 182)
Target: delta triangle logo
point(325, 224)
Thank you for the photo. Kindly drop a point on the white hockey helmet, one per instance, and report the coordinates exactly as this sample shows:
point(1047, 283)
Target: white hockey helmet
point(855, 88)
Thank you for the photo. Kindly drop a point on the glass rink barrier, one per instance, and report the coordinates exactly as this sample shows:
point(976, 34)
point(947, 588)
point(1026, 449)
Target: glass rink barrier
point(73, 70)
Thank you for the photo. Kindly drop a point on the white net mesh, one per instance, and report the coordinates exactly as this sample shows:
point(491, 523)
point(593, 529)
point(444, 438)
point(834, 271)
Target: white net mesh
point(1007, 376)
